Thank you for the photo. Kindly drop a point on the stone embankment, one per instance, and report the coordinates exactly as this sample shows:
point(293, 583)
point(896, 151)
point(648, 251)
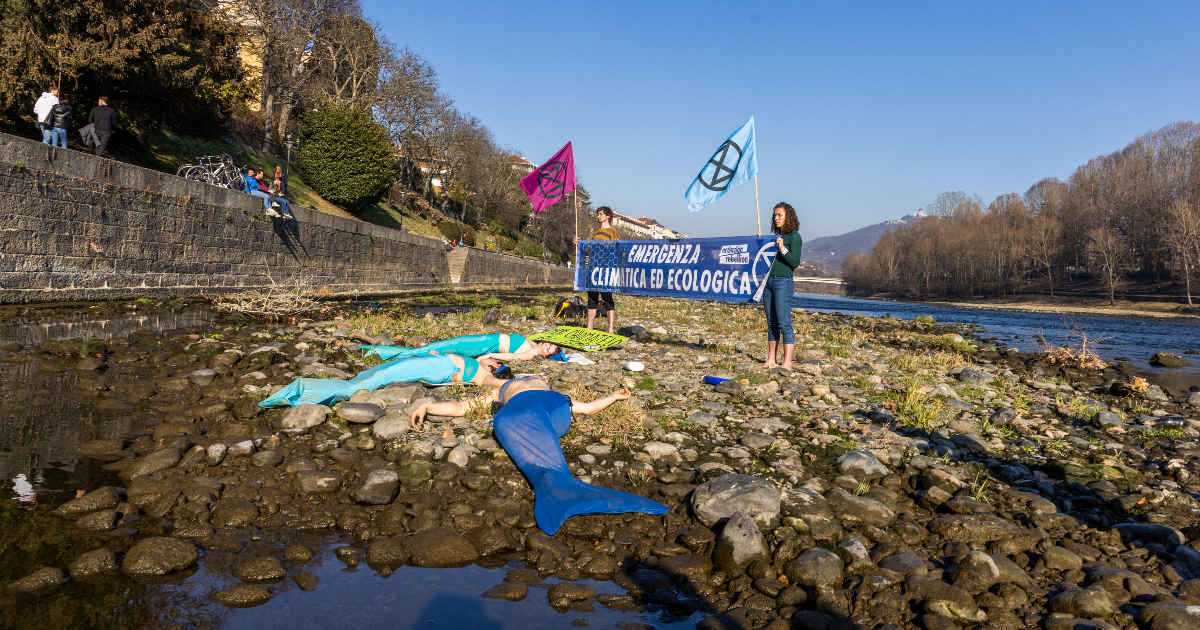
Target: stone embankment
point(901, 476)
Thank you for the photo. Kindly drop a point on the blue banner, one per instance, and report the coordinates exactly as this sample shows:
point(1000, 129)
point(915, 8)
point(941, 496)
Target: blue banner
point(727, 269)
point(733, 163)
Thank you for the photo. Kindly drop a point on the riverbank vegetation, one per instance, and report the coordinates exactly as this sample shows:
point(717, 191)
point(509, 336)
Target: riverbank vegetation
point(1129, 220)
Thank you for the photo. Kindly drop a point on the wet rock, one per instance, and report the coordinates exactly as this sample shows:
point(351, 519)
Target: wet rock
point(1060, 559)
point(203, 377)
point(316, 482)
point(306, 580)
point(235, 512)
point(154, 462)
point(261, 569)
point(1164, 535)
point(415, 473)
point(562, 594)
point(815, 566)
point(359, 413)
point(40, 581)
point(98, 562)
point(862, 465)
point(963, 614)
point(856, 509)
point(377, 488)
point(101, 449)
point(1166, 359)
point(692, 566)
point(490, 539)
point(607, 565)
point(813, 620)
point(1104, 419)
point(1091, 603)
point(906, 563)
point(388, 552)
point(717, 499)
point(983, 529)
point(215, 454)
point(1168, 616)
point(977, 567)
point(158, 556)
point(303, 417)
point(439, 547)
point(242, 596)
point(105, 498)
point(266, 459)
point(1194, 399)
point(297, 554)
point(89, 364)
point(511, 591)
point(101, 521)
point(740, 543)
point(917, 587)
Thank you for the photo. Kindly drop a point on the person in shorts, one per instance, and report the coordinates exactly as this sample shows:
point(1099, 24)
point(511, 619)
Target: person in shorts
point(607, 232)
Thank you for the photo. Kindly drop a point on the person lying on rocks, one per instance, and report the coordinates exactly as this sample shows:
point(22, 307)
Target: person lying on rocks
point(432, 368)
point(505, 347)
point(529, 418)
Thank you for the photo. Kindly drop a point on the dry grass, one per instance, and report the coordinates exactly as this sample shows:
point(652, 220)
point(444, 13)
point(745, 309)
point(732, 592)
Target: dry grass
point(1082, 357)
point(619, 423)
point(282, 300)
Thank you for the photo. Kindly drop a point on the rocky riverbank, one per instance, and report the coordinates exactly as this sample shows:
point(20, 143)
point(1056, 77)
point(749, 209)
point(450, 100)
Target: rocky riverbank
point(904, 475)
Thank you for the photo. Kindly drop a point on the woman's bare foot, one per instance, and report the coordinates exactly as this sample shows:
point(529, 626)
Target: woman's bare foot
point(769, 364)
point(786, 365)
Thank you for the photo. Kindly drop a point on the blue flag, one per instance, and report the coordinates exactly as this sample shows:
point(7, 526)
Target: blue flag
point(733, 163)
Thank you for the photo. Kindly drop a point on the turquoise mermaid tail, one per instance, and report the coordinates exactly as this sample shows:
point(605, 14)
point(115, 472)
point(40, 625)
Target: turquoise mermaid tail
point(467, 346)
point(528, 427)
point(434, 368)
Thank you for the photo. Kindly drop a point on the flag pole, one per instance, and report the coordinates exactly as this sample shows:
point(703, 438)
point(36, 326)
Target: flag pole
point(757, 215)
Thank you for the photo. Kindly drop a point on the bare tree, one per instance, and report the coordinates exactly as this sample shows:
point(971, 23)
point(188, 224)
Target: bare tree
point(1110, 253)
point(348, 57)
point(1043, 242)
point(1183, 228)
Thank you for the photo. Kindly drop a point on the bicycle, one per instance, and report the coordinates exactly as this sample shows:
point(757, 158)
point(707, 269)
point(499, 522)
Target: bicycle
point(216, 170)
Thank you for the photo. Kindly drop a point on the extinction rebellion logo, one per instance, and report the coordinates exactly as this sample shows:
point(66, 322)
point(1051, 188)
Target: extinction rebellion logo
point(721, 173)
point(552, 178)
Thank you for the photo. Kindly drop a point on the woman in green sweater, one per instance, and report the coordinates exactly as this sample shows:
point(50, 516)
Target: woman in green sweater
point(777, 298)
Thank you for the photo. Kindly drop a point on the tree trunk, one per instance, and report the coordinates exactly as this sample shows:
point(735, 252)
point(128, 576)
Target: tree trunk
point(1050, 275)
point(285, 115)
point(1187, 279)
point(269, 118)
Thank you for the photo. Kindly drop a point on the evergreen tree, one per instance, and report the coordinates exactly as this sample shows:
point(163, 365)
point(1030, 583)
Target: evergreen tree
point(346, 156)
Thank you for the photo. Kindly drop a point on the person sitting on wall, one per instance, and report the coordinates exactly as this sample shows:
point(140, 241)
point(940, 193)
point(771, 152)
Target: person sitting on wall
point(251, 188)
point(283, 203)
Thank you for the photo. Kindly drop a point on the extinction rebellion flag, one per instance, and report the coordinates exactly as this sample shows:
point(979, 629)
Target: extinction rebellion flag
point(727, 269)
point(733, 163)
point(551, 181)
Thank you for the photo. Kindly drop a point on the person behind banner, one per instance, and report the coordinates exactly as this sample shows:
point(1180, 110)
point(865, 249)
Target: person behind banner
point(777, 298)
point(607, 232)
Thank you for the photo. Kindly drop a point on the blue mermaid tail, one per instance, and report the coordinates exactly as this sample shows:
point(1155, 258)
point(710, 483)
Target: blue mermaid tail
point(528, 427)
point(467, 346)
point(434, 368)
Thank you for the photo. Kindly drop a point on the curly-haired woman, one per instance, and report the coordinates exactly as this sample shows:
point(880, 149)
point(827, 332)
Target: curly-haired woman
point(777, 298)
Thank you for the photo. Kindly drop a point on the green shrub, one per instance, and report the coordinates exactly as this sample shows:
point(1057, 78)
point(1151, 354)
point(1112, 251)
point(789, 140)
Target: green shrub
point(507, 244)
point(345, 156)
point(449, 229)
point(529, 248)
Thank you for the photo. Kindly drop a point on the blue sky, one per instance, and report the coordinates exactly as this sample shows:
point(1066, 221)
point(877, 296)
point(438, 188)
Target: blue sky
point(864, 111)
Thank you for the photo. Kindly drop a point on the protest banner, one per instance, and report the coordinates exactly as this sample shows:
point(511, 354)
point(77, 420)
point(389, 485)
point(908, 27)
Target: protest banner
point(580, 338)
point(727, 269)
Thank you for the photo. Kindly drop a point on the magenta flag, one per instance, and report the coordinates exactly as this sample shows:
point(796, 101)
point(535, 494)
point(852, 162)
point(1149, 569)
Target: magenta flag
point(550, 182)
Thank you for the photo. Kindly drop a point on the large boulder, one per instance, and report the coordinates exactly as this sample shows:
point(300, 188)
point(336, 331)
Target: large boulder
point(159, 556)
point(717, 500)
point(377, 488)
point(1166, 359)
point(303, 417)
point(154, 462)
point(104, 498)
point(740, 543)
point(234, 512)
point(439, 547)
point(387, 552)
point(815, 567)
point(95, 562)
point(40, 581)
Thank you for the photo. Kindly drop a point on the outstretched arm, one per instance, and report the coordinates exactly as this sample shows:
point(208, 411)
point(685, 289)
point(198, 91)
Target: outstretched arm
point(525, 355)
point(451, 409)
point(596, 406)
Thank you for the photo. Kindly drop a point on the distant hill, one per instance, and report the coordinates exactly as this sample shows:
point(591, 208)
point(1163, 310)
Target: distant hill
point(832, 250)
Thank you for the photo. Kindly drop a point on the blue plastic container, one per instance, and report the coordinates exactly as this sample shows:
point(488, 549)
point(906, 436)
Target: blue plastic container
point(712, 380)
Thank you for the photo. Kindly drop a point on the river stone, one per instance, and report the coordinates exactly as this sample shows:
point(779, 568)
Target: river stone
point(662, 450)
point(756, 440)
point(391, 426)
point(158, 556)
point(1168, 616)
point(1164, 535)
point(1060, 559)
point(415, 472)
point(855, 509)
point(154, 462)
point(377, 488)
point(462, 454)
point(235, 512)
point(1106, 419)
point(101, 521)
point(862, 465)
point(242, 596)
point(692, 566)
point(105, 498)
point(918, 587)
point(1194, 399)
point(266, 459)
point(562, 594)
point(245, 448)
point(261, 569)
point(1003, 416)
point(977, 567)
point(740, 543)
point(203, 377)
point(96, 562)
point(41, 580)
point(297, 554)
point(815, 567)
point(1090, 603)
point(963, 614)
point(439, 547)
point(215, 453)
point(360, 413)
point(972, 375)
point(490, 539)
point(511, 591)
point(717, 499)
point(905, 563)
point(387, 552)
point(316, 482)
point(983, 529)
point(1166, 359)
point(303, 417)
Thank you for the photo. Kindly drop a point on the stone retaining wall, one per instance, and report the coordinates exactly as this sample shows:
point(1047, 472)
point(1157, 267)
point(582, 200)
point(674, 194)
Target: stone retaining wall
point(77, 227)
point(471, 267)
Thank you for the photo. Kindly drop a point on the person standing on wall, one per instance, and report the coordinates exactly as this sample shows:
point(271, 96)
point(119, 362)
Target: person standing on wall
point(607, 232)
point(777, 298)
point(104, 119)
point(41, 109)
point(62, 117)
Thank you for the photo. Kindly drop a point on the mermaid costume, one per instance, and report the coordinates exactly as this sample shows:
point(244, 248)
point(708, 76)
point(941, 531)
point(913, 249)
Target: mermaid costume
point(467, 346)
point(529, 426)
point(433, 368)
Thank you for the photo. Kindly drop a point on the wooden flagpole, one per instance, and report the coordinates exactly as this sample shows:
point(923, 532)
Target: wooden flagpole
point(757, 215)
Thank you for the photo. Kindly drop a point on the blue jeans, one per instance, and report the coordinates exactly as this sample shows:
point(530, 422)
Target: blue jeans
point(61, 135)
point(47, 135)
point(266, 199)
point(777, 300)
point(283, 205)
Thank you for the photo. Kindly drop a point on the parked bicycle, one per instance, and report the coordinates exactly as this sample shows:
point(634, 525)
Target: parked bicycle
point(218, 170)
